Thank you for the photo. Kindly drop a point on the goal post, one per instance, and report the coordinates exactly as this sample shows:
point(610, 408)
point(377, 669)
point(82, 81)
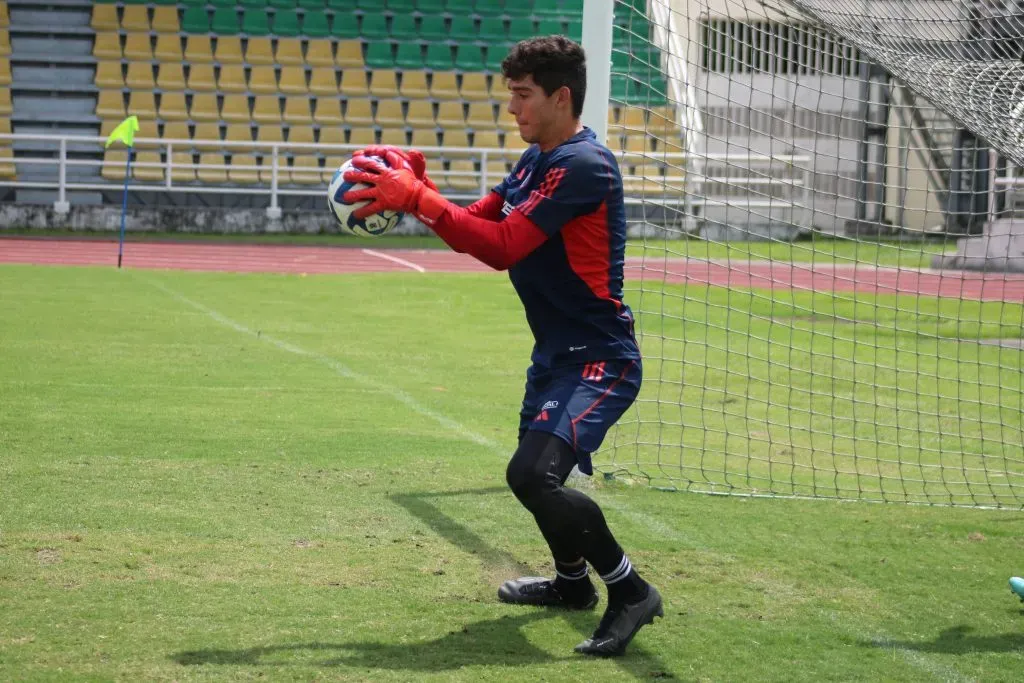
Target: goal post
point(792, 171)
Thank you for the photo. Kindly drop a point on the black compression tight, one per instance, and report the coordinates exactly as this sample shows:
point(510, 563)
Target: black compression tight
point(572, 523)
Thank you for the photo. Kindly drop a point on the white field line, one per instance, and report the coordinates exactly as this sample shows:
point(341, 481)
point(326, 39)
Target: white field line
point(394, 259)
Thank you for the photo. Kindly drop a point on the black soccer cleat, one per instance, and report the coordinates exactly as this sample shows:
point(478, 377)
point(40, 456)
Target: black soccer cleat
point(536, 590)
point(620, 623)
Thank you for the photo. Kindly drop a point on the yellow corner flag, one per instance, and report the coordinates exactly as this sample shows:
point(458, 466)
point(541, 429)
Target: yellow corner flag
point(125, 132)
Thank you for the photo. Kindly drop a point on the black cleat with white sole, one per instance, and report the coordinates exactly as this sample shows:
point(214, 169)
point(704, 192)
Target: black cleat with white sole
point(620, 623)
point(539, 591)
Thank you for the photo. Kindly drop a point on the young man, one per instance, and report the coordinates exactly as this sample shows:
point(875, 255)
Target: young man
point(557, 224)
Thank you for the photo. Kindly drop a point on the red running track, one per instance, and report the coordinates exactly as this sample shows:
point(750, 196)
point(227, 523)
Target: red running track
point(324, 260)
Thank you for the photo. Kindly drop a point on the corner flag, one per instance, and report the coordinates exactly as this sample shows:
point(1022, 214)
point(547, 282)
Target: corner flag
point(125, 134)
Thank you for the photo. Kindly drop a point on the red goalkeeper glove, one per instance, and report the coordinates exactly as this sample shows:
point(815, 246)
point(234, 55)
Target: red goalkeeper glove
point(396, 189)
point(413, 157)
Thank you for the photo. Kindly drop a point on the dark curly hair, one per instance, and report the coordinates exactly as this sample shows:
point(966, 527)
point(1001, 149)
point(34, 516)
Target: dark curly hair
point(553, 61)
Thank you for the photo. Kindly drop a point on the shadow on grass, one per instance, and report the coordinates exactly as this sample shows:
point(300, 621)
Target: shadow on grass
point(957, 641)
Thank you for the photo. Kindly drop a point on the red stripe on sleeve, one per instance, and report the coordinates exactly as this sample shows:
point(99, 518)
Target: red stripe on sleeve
point(500, 245)
point(489, 207)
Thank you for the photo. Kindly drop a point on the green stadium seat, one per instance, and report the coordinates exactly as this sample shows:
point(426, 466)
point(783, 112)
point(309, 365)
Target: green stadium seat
point(439, 57)
point(574, 29)
point(403, 27)
point(493, 30)
point(432, 28)
point(490, 8)
point(345, 26)
point(459, 7)
point(518, 9)
point(281, 4)
point(430, 6)
point(520, 29)
point(248, 4)
point(550, 27)
point(341, 5)
point(401, 6)
point(495, 56)
point(409, 56)
point(469, 58)
point(195, 20)
point(255, 23)
point(225, 20)
point(374, 27)
point(378, 56)
point(311, 4)
point(286, 23)
point(572, 9)
point(314, 24)
point(462, 28)
point(222, 3)
point(194, 3)
point(164, 2)
point(546, 8)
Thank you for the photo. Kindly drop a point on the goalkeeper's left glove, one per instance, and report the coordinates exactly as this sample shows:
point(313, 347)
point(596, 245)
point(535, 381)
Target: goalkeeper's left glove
point(396, 188)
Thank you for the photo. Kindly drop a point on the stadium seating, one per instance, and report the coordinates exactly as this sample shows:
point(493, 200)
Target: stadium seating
point(342, 71)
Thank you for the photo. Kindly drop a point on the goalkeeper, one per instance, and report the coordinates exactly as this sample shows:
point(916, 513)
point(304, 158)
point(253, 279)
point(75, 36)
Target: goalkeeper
point(557, 223)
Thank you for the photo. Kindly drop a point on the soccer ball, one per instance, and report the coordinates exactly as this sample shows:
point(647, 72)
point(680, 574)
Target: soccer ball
point(371, 226)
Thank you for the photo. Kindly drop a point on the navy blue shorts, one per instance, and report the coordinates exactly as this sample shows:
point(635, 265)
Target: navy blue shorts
point(579, 403)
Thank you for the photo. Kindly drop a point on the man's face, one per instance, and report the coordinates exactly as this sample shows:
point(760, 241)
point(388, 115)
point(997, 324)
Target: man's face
point(535, 112)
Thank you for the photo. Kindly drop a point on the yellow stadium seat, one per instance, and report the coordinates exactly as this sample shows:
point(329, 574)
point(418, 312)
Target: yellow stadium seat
point(4, 19)
point(204, 107)
point(114, 163)
point(104, 18)
point(319, 53)
point(393, 136)
point(424, 137)
point(384, 83)
point(270, 133)
point(238, 132)
point(335, 135)
point(138, 46)
point(350, 54)
point(259, 51)
point(414, 85)
point(499, 90)
point(109, 75)
point(200, 78)
point(267, 169)
point(297, 110)
point(362, 136)
point(324, 82)
point(293, 80)
point(5, 43)
point(168, 48)
point(443, 86)
point(243, 169)
point(302, 135)
point(229, 50)
point(142, 104)
point(331, 164)
point(463, 176)
point(177, 130)
point(354, 83)
point(328, 111)
point(435, 169)
point(235, 109)
point(474, 86)
point(232, 79)
point(148, 174)
point(172, 106)
point(135, 18)
point(165, 20)
point(420, 114)
point(263, 80)
point(211, 168)
point(449, 114)
point(389, 113)
point(107, 46)
point(496, 172)
point(481, 116)
point(198, 50)
point(486, 139)
point(454, 137)
point(289, 52)
point(183, 167)
point(267, 109)
point(305, 170)
point(170, 77)
point(5, 71)
point(5, 101)
point(358, 113)
point(206, 136)
point(507, 122)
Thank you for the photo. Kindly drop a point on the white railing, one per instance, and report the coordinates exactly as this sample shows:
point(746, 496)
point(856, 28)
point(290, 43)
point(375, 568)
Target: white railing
point(278, 172)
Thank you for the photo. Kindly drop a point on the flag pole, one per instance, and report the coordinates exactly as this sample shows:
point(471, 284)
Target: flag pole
point(125, 134)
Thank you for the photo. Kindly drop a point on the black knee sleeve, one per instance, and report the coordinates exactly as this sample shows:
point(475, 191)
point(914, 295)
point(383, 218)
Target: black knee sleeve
point(539, 467)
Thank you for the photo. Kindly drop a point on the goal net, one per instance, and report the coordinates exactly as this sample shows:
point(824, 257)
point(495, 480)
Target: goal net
point(800, 175)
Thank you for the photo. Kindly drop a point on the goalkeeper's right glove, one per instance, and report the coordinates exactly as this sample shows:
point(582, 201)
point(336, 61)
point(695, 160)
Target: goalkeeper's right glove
point(413, 158)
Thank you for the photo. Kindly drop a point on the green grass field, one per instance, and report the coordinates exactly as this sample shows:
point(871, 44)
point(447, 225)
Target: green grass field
point(221, 476)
